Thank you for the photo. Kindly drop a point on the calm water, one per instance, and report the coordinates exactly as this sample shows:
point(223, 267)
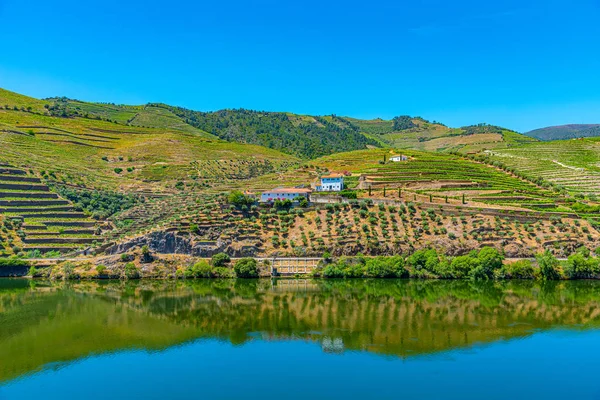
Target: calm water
point(299, 340)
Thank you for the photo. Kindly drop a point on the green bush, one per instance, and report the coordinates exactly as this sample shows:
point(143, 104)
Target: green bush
point(12, 263)
point(131, 271)
point(425, 260)
point(246, 268)
point(201, 269)
point(522, 269)
point(333, 271)
point(549, 266)
point(101, 269)
point(578, 266)
point(490, 261)
point(462, 266)
point(386, 267)
point(220, 260)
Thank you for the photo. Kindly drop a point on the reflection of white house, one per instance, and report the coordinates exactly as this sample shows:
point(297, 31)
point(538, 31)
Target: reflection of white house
point(398, 158)
point(284, 194)
point(331, 183)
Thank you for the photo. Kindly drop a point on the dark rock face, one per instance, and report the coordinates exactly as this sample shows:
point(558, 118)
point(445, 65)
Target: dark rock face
point(159, 242)
point(9, 272)
point(176, 243)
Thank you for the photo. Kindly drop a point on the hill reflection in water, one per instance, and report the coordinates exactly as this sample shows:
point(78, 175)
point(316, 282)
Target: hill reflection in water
point(44, 323)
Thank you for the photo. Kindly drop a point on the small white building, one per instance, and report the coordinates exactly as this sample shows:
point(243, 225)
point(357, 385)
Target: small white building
point(331, 183)
point(284, 194)
point(398, 158)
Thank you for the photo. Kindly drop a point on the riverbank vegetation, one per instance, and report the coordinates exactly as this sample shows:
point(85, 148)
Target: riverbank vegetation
point(484, 264)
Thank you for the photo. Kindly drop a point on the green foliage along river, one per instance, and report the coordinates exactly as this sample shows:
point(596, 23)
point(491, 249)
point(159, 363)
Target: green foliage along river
point(299, 339)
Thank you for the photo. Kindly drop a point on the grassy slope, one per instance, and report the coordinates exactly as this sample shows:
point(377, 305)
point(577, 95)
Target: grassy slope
point(74, 148)
point(574, 164)
point(436, 137)
point(12, 99)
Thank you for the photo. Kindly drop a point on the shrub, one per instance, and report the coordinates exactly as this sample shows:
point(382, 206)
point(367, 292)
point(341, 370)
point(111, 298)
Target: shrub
point(349, 194)
point(386, 267)
point(549, 266)
point(12, 262)
point(239, 199)
point(201, 269)
point(118, 170)
point(246, 268)
point(490, 260)
point(131, 271)
point(101, 269)
point(580, 267)
point(146, 255)
point(333, 271)
point(462, 266)
point(220, 260)
point(423, 260)
point(222, 272)
point(522, 269)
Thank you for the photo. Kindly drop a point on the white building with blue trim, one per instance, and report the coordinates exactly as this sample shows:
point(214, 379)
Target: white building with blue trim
point(331, 183)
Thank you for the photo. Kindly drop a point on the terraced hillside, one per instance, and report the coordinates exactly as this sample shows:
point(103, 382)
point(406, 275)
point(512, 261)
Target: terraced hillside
point(420, 134)
point(441, 177)
point(368, 226)
point(107, 156)
point(43, 222)
point(572, 164)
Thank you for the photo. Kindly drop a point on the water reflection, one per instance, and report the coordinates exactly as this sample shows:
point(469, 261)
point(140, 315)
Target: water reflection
point(44, 323)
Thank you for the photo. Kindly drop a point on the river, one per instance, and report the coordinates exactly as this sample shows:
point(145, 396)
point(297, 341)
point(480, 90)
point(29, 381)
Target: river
point(299, 339)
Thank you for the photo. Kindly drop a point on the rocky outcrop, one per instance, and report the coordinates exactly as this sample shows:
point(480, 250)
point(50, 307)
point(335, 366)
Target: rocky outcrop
point(165, 242)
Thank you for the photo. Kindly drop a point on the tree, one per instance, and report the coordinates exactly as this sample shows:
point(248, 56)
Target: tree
point(302, 201)
point(246, 268)
point(549, 266)
point(146, 255)
point(220, 260)
point(200, 270)
point(239, 199)
point(490, 260)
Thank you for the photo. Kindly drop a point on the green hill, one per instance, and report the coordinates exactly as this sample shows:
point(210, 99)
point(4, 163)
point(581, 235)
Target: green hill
point(419, 134)
point(302, 135)
point(562, 132)
point(85, 149)
point(572, 164)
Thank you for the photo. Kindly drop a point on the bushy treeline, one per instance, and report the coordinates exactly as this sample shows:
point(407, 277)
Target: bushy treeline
point(220, 267)
point(12, 263)
point(403, 122)
point(481, 128)
point(487, 263)
point(99, 204)
point(306, 139)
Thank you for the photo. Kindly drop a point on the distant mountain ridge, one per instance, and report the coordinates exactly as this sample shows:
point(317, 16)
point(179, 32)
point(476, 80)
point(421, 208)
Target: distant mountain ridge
point(303, 136)
point(561, 132)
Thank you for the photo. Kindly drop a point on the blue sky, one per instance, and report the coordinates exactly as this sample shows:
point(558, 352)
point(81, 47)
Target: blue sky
point(521, 64)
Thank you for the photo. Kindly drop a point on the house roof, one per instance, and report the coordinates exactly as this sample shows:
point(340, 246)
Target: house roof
point(289, 190)
point(332, 176)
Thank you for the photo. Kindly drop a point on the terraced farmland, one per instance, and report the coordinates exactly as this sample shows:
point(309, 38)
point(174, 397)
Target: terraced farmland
point(45, 222)
point(107, 156)
point(438, 175)
point(572, 164)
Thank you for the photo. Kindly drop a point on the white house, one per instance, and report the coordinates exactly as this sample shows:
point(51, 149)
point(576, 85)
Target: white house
point(331, 183)
point(398, 158)
point(284, 194)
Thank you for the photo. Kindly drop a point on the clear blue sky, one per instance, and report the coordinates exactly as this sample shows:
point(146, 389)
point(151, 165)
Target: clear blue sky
point(522, 64)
